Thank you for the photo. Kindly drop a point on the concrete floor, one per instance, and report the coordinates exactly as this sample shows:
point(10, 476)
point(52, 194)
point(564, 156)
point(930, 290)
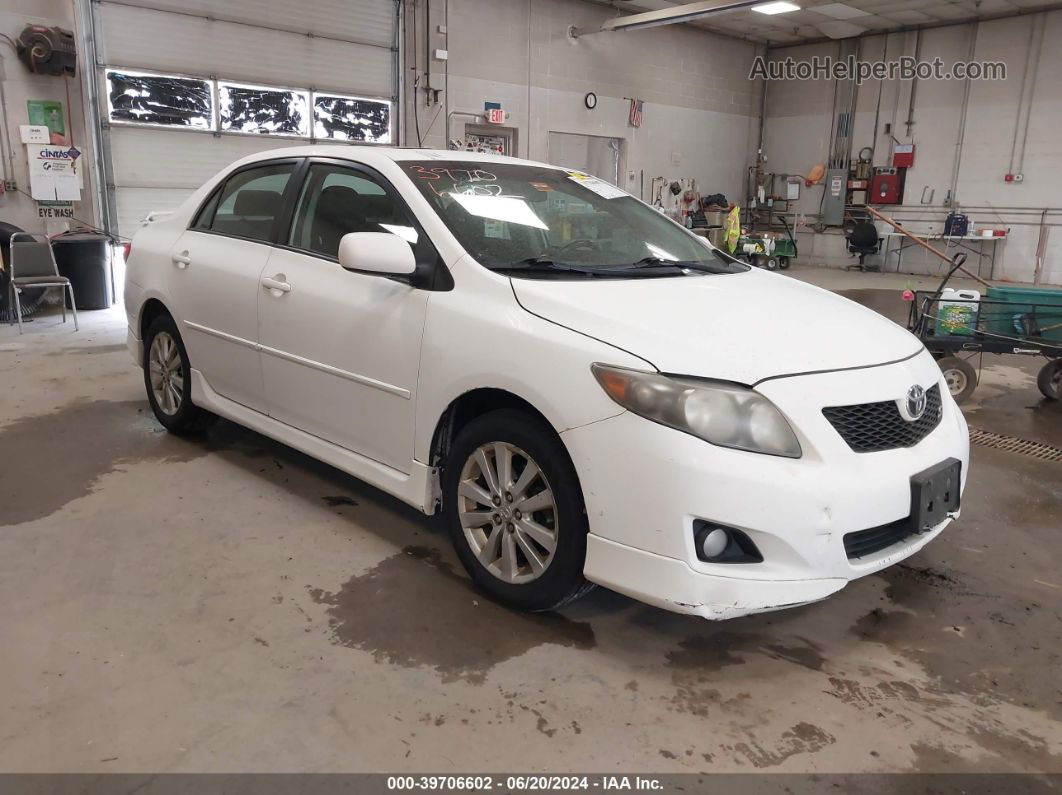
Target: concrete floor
point(230, 605)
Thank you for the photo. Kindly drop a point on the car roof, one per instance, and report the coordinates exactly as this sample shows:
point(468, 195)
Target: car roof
point(370, 153)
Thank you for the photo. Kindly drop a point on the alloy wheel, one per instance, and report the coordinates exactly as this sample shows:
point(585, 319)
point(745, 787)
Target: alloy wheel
point(166, 373)
point(508, 512)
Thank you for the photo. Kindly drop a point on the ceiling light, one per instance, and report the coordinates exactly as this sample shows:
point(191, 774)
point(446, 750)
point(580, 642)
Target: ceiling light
point(776, 8)
point(839, 11)
point(839, 29)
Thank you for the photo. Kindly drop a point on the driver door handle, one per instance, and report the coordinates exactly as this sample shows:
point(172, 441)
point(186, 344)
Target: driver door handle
point(276, 283)
point(181, 260)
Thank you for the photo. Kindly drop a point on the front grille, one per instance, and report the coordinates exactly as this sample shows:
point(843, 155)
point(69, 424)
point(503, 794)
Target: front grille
point(870, 427)
point(867, 542)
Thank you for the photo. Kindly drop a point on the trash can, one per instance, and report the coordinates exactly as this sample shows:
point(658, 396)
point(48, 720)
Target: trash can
point(85, 259)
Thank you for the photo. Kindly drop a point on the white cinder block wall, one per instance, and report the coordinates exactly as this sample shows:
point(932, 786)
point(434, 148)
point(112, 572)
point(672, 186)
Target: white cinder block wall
point(701, 113)
point(799, 121)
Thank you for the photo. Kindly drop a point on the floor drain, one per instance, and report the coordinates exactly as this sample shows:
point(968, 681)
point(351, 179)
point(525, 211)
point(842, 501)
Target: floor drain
point(1012, 444)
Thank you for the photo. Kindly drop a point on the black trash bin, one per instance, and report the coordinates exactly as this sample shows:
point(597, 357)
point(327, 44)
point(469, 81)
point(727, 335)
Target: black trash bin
point(85, 259)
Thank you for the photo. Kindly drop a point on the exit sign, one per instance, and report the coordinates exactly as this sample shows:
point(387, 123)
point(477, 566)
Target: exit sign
point(495, 115)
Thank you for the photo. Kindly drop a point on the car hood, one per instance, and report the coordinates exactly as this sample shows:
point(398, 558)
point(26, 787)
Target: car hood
point(740, 327)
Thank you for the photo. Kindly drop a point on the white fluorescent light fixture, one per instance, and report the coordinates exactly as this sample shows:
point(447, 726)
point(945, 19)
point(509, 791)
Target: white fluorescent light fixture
point(666, 16)
point(776, 8)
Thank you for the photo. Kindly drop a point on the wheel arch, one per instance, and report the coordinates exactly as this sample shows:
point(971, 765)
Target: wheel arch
point(475, 403)
point(467, 407)
point(152, 308)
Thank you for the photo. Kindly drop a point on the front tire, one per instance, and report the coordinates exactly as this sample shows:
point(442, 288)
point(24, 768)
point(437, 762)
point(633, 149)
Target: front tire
point(515, 511)
point(167, 378)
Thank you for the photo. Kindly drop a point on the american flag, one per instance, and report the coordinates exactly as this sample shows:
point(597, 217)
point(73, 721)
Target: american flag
point(635, 117)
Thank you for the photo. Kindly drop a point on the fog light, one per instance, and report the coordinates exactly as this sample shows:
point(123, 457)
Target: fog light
point(714, 543)
point(717, 544)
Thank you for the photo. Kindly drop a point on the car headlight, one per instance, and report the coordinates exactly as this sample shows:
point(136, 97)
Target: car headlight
point(724, 414)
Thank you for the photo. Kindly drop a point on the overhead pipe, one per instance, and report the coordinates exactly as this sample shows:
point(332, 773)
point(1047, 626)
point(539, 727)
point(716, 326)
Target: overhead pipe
point(1021, 94)
point(478, 117)
point(961, 138)
point(1035, 62)
point(5, 143)
point(914, 85)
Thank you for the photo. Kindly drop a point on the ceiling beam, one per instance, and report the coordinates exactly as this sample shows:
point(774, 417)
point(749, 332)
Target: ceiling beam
point(667, 16)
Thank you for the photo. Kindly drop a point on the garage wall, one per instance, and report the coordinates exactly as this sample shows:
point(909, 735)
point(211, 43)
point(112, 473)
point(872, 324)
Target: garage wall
point(701, 111)
point(799, 119)
point(340, 46)
point(21, 85)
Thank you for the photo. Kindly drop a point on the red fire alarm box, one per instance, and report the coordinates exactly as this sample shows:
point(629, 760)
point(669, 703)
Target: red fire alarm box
point(886, 186)
point(903, 156)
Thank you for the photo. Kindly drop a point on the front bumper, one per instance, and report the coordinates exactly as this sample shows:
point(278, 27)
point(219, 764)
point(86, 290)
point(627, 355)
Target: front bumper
point(644, 486)
point(675, 585)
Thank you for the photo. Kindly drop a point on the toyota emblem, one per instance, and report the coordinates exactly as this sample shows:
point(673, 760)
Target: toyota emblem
point(916, 403)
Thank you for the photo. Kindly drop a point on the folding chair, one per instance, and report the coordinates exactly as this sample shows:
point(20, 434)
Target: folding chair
point(33, 264)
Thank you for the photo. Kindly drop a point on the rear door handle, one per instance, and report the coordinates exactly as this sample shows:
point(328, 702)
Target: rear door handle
point(276, 283)
point(181, 260)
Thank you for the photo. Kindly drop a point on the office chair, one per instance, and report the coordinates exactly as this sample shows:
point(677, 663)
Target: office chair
point(863, 239)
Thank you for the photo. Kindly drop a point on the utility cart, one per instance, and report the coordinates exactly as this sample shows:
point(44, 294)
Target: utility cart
point(765, 250)
point(956, 327)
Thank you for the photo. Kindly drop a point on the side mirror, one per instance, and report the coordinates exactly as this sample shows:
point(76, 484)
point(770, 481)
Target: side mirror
point(376, 252)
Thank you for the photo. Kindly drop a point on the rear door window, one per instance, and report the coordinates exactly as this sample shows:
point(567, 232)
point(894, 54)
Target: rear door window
point(252, 201)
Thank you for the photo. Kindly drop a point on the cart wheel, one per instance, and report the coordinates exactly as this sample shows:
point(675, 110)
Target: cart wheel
point(1050, 380)
point(783, 263)
point(771, 264)
point(960, 377)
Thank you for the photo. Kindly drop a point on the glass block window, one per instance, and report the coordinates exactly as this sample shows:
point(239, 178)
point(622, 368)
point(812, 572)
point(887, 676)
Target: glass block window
point(163, 100)
point(351, 118)
point(263, 110)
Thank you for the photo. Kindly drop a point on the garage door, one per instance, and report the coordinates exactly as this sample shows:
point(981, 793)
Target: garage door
point(188, 86)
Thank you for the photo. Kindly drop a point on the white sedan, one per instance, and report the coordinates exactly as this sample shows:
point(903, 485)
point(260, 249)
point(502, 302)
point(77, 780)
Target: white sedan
point(591, 393)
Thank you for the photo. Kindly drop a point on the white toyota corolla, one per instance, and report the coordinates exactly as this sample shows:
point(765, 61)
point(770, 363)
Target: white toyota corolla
point(591, 393)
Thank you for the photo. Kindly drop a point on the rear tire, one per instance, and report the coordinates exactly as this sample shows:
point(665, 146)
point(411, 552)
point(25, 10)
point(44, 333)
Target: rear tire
point(783, 263)
point(960, 377)
point(530, 559)
point(167, 379)
point(1050, 380)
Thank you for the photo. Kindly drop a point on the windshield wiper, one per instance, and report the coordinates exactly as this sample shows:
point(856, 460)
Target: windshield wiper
point(544, 263)
point(646, 267)
point(660, 262)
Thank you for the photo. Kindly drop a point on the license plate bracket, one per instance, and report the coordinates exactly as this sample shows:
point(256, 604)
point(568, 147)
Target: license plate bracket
point(935, 494)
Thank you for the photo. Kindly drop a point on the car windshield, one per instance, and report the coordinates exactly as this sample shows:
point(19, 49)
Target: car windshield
point(533, 221)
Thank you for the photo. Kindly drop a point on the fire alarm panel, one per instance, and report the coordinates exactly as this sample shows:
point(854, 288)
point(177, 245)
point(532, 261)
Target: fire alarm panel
point(903, 156)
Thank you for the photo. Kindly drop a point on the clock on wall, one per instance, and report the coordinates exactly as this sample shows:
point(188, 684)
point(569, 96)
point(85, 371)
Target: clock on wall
point(590, 100)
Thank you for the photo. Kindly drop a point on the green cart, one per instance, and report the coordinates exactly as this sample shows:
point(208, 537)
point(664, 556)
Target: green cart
point(768, 252)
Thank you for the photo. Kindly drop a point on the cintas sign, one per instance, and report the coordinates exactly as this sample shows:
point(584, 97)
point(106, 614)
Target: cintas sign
point(53, 173)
